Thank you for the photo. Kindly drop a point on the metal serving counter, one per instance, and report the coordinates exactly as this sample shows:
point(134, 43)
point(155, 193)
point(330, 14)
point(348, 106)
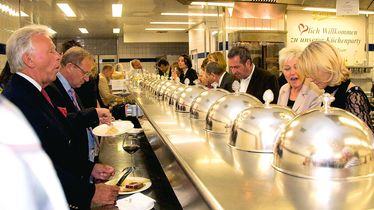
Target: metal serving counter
point(226, 178)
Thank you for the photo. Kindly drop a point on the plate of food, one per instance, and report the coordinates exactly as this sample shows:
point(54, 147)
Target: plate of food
point(132, 185)
point(117, 127)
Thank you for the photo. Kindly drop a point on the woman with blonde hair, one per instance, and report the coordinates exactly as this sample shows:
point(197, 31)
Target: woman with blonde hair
point(217, 57)
point(298, 93)
point(323, 63)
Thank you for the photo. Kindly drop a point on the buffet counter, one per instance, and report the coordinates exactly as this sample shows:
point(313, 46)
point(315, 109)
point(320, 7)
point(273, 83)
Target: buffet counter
point(206, 173)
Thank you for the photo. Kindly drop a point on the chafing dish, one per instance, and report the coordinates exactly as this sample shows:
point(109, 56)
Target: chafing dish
point(163, 88)
point(223, 112)
point(201, 104)
point(159, 86)
point(176, 94)
point(325, 143)
point(169, 91)
point(255, 128)
point(186, 98)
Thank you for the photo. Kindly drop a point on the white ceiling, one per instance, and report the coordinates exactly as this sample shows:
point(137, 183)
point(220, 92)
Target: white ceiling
point(96, 15)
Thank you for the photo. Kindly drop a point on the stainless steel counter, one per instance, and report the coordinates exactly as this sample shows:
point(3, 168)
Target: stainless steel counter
point(226, 178)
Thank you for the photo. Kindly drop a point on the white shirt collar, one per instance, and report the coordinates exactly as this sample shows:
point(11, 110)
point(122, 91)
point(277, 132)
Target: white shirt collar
point(31, 80)
point(245, 82)
point(221, 78)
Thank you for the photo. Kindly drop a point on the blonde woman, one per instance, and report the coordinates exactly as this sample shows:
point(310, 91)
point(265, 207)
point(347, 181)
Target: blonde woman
point(298, 93)
point(219, 58)
point(323, 63)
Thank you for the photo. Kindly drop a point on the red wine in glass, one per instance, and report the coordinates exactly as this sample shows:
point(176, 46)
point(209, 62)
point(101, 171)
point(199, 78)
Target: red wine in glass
point(131, 149)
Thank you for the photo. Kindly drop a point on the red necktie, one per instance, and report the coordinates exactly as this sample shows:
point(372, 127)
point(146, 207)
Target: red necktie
point(46, 96)
point(61, 109)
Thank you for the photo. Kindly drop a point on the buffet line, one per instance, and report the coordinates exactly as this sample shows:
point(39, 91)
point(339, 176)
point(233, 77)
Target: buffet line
point(241, 154)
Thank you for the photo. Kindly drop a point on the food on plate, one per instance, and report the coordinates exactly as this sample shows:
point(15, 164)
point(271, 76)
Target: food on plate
point(112, 130)
point(131, 186)
point(134, 185)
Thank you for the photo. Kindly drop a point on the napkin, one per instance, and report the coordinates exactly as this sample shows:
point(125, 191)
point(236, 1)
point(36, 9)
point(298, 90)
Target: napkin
point(137, 201)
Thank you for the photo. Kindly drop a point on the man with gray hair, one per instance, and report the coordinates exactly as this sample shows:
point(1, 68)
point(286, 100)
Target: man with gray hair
point(33, 58)
point(217, 74)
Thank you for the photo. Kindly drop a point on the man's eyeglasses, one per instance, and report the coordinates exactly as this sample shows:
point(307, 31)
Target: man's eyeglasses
point(86, 74)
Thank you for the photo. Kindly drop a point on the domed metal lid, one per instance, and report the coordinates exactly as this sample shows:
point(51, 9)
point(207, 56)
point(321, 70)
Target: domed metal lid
point(187, 96)
point(326, 143)
point(255, 129)
point(223, 112)
point(201, 104)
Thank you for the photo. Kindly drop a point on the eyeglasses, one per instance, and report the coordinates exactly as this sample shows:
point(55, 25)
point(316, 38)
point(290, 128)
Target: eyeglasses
point(86, 74)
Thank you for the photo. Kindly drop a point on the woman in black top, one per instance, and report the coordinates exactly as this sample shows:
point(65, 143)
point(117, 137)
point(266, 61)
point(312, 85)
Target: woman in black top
point(322, 62)
point(185, 64)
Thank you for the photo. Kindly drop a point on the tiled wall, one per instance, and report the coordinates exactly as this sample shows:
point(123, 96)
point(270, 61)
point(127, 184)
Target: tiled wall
point(7, 25)
point(147, 51)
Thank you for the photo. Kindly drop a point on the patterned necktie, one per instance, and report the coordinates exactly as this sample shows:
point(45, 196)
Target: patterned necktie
point(93, 145)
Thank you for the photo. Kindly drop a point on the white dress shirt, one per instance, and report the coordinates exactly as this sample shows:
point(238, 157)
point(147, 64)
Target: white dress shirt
point(245, 82)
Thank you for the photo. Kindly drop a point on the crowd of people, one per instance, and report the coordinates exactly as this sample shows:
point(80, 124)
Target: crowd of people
point(63, 96)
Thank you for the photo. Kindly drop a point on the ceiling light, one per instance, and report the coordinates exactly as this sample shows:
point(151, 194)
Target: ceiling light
point(116, 30)
point(365, 12)
point(66, 9)
point(316, 9)
point(116, 10)
point(10, 11)
point(174, 23)
point(218, 4)
point(165, 29)
point(83, 30)
point(191, 14)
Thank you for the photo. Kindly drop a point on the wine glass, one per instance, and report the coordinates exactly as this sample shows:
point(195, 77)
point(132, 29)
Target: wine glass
point(131, 144)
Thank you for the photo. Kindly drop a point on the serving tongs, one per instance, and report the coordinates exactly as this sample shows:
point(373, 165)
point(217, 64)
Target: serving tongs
point(127, 170)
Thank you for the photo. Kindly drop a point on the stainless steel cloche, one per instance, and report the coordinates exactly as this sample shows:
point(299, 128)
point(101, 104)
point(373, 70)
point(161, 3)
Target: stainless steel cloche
point(255, 128)
point(325, 143)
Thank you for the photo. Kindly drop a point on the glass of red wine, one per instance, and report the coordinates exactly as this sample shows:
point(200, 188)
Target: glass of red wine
point(131, 144)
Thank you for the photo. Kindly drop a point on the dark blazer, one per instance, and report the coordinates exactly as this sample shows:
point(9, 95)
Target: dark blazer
point(261, 81)
point(227, 81)
point(161, 73)
point(190, 74)
point(79, 120)
point(55, 135)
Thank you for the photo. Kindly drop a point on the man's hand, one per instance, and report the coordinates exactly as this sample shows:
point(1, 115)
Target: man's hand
point(105, 116)
point(102, 172)
point(105, 194)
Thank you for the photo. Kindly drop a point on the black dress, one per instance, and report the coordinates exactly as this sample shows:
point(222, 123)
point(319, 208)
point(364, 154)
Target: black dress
point(353, 100)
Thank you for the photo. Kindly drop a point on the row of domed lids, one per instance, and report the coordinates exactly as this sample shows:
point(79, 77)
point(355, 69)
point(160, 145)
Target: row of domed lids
point(327, 142)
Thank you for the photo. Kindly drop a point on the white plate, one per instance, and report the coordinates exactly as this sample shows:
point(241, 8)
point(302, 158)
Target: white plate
point(121, 127)
point(147, 184)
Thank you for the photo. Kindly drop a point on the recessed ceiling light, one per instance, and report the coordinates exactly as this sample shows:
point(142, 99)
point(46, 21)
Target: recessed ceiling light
point(116, 10)
point(165, 29)
point(173, 23)
point(83, 30)
point(116, 30)
point(10, 11)
point(190, 14)
point(66, 9)
point(219, 4)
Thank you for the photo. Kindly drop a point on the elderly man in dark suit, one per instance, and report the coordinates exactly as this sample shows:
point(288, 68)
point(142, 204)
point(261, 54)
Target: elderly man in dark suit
point(217, 74)
point(34, 60)
point(76, 65)
point(253, 80)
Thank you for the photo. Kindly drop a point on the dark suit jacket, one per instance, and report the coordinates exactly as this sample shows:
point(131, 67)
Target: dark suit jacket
point(79, 120)
point(55, 135)
point(261, 81)
point(190, 74)
point(227, 81)
point(161, 73)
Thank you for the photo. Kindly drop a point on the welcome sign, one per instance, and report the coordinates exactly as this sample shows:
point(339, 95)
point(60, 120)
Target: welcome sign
point(345, 33)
